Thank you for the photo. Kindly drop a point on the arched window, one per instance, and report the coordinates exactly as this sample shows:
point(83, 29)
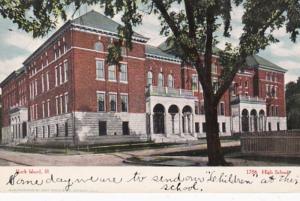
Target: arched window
point(123, 51)
point(170, 81)
point(160, 80)
point(98, 46)
point(149, 78)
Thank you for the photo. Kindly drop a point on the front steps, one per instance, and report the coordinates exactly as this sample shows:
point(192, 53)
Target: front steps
point(172, 138)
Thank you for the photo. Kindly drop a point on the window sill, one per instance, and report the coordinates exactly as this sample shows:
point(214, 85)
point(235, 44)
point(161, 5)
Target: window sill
point(112, 80)
point(100, 79)
point(124, 82)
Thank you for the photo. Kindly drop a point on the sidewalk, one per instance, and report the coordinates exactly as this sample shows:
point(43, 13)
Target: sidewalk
point(109, 159)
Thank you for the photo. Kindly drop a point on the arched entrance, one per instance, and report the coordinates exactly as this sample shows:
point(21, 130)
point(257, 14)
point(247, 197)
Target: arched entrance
point(261, 120)
point(159, 119)
point(186, 119)
point(173, 110)
point(245, 120)
point(253, 119)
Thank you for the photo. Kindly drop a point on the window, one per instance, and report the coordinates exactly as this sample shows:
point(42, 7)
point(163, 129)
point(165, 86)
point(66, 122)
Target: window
point(270, 126)
point(57, 129)
point(123, 72)
point(224, 127)
point(102, 128)
point(113, 102)
point(112, 72)
point(42, 80)
point(214, 68)
point(197, 127)
point(60, 75)
point(48, 108)
point(36, 90)
point(100, 69)
point(36, 111)
point(43, 108)
point(278, 126)
point(160, 80)
point(246, 84)
point(30, 93)
point(43, 131)
point(273, 92)
point(215, 85)
point(56, 104)
point(149, 78)
point(124, 103)
point(66, 77)
point(123, 51)
point(56, 76)
point(194, 82)
point(98, 46)
point(48, 131)
point(170, 81)
point(101, 102)
point(202, 110)
point(61, 104)
point(222, 109)
point(196, 107)
point(204, 127)
point(125, 128)
point(66, 129)
point(66, 102)
point(47, 81)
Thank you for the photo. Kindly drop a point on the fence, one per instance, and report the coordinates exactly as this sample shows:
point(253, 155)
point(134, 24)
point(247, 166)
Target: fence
point(284, 143)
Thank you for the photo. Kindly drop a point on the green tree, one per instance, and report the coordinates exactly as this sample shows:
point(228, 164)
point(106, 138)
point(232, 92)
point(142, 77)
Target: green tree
point(192, 29)
point(292, 95)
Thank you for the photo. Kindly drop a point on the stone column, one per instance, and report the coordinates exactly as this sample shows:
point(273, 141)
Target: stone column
point(165, 125)
point(193, 126)
point(184, 123)
point(173, 123)
point(180, 124)
point(250, 124)
point(151, 124)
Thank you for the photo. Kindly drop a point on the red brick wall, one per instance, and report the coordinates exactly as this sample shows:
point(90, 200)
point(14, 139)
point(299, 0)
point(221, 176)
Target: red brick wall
point(279, 83)
point(85, 75)
point(166, 68)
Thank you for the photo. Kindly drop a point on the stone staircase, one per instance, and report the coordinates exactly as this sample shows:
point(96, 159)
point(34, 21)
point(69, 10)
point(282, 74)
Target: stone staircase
point(172, 138)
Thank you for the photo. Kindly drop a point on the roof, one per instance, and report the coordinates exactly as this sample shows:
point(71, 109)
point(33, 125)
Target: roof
point(156, 52)
point(260, 62)
point(99, 21)
point(13, 75)
point(169, 47)
point(91, 19)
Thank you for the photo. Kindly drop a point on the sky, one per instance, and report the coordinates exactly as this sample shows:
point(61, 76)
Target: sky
point(16, 45)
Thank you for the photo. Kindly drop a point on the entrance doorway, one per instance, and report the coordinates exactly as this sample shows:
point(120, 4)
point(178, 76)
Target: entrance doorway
point(159, 119)
point(245, 120)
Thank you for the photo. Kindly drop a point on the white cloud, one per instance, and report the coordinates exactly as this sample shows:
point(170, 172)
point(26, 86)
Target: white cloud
point(237, 14)
point(291, 77)
point(279, 33)
point(7, 66)
point(22, 40)
point(289, 64)
point(281, 49)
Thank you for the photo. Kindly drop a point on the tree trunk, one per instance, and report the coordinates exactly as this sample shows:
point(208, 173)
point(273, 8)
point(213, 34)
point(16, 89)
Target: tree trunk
point(215, 155)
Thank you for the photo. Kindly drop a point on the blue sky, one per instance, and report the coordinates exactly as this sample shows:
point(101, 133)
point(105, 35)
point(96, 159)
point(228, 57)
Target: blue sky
point(16, 45)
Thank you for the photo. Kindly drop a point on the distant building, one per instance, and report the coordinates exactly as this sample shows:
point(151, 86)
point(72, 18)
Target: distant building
point(67, 93)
